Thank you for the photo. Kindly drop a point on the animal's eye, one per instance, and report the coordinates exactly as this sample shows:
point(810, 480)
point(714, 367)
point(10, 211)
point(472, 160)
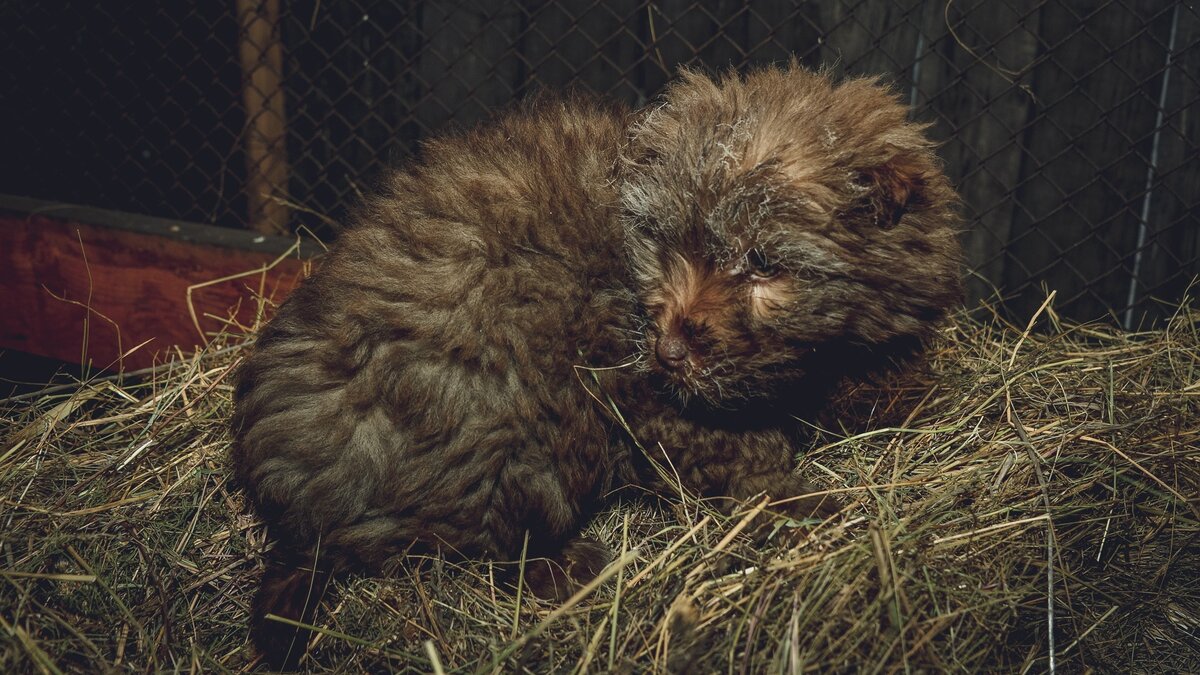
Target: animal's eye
point(758, 265)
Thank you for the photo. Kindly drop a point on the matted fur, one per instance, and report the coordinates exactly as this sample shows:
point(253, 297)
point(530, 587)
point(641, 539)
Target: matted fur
point(710, 265)
point(420, 388)
point(828, 184)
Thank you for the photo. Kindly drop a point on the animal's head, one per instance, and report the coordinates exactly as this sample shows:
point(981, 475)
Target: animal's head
point(775, 216)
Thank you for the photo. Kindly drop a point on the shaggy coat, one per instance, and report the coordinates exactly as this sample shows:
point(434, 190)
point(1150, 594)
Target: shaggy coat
point(783, 232)
point(708, 268)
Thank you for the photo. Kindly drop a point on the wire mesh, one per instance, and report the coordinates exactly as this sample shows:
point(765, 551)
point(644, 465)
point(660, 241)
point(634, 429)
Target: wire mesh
point(1070, 127)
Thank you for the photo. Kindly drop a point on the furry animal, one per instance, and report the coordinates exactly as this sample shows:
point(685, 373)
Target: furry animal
point(711, 266)
point(783, 232)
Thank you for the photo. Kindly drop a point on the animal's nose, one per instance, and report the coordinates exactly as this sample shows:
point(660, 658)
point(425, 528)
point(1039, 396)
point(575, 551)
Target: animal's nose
point(672, 351)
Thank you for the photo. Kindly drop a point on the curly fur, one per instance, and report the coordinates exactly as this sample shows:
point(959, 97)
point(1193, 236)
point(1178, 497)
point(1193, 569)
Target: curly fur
point(829, 183)
point(741, 244)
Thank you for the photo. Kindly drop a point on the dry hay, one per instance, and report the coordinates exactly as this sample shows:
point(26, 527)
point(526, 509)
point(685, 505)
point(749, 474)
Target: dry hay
point(1062, 459)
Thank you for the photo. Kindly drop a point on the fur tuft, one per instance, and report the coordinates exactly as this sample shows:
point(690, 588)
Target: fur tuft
point(290, 592)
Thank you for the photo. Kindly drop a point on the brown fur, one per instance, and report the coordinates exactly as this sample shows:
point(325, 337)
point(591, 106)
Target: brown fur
point(774, 233)
point(789, 231)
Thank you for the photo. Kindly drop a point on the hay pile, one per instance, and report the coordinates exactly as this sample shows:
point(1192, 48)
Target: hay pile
point(1033, 496)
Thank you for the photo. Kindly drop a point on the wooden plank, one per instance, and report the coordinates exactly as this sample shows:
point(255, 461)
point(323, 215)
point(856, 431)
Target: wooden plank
point(875, 39)
point(972, 80)
point(1087, 154)
point(779, 31)
point(354, 69)
point(712, 35)
point(583, 44)
point(469, 64)
point(86, 292)
point(1171, 252)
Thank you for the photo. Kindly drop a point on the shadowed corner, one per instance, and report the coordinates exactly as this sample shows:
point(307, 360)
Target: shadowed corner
point(283, 611)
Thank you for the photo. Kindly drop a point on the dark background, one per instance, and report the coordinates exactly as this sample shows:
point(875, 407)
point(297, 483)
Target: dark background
point(1070, 126)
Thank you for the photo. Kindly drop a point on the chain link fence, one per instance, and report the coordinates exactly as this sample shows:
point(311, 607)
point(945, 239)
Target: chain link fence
point(1070, 126)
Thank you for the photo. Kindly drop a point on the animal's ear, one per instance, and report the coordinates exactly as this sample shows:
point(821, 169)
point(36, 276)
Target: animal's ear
point(649, 130)
point(883, 193)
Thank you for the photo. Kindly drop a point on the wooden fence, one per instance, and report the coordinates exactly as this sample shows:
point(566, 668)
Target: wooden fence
point(1070, 126)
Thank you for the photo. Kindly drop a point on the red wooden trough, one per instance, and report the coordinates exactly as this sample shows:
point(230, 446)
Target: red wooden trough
point(119, 291)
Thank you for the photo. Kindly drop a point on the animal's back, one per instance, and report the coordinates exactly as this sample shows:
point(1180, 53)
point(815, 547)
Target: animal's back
point(421, 385)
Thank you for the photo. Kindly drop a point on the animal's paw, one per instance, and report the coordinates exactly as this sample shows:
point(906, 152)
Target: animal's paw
point(559, 577)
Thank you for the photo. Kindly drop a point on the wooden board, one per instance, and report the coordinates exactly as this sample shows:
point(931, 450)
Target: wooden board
point(1087, 154)
point(88, 286)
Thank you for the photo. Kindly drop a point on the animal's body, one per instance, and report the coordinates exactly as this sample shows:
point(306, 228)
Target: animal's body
point(709, 267)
